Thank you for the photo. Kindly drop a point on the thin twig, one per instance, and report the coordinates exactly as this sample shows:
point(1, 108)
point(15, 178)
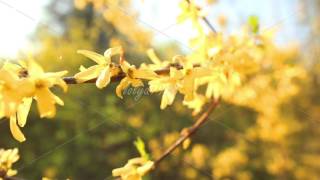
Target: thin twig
point(191, 130)
point(206, 21)
point(209, 25)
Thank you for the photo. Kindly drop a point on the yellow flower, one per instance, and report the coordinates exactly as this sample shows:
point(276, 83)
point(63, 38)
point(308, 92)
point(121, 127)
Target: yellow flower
point(183, 80)
point(191, 74)
point(196, 104)
point(135, 169)
point(7, 158)
point(12, 90)
point(157, 63)
point(104, 69)
point(14, 100)
point(35, 83)
point(22, 83)
point(169, 85)
point(222, 84)
point(42, 82)
point(133, 77)
point(190, 11)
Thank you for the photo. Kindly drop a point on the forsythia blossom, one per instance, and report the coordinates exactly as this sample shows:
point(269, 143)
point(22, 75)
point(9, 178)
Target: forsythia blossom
point(104, 69)
point(169, 85)
point(190, 11)
point(196, 104)
point(133, 77)
point(222, 82)
point(179, 80)
point(42, 83)
point(135, 169)
point(7, 158)
point(19, 85)
point(12, 89)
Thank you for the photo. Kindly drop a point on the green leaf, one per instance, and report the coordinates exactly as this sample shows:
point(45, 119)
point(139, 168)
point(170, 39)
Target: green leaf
point(253, 22)
point(139, 144)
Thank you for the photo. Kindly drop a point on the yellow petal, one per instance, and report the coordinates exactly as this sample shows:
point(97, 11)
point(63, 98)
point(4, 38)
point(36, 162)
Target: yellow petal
point(10, 100)
point(188, 88)
point(23, 111)
point(104, 78)
point(11, 172)
point(183, 61)
point(196, 104)
point(15, 130)
point(136, 82)
point(153, 57)
point(13, 155)
point(144, 74)
point(82, 68)
point(12, 67)
point(8, 77)
point(200, 72)
point(60, 82)
point(25, 87)
point(168, 97)
point(145, 168)
point(45, 102)
point(235, 79)
point(156, 85)
point(175, 73)
point(88, 74)
point(122, 85)
point(55, 74)
point(113, 51)
point(125, 66)
point(214, 89)
point(137, 161)
point(98, 58)
point(34, 69)
point(58, 100)
point(121, 171)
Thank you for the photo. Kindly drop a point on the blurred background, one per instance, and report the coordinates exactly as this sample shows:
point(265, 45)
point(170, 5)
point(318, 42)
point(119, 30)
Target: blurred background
point(94, 132)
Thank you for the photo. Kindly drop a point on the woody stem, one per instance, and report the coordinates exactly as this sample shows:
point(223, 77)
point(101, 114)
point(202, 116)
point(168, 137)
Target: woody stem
point(121, 75)
point(191, 131)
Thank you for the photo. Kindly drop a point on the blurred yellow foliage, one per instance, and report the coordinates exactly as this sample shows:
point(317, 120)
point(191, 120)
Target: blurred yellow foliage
point(228, 162)
point(246, 70)
point(122, 17)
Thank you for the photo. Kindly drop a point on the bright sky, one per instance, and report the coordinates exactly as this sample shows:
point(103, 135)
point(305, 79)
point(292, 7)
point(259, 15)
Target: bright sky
point(19, 18)
point(273, 15)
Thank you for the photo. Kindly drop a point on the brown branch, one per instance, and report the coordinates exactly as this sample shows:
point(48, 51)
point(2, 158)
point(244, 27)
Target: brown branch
point(121, 75)
point(209, 25)
point(190, 131)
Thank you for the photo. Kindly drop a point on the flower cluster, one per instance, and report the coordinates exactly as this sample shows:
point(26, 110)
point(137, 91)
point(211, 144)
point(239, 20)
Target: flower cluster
point(240, 69)
point(219, 72)
point(7, 159)
point(19, 85)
